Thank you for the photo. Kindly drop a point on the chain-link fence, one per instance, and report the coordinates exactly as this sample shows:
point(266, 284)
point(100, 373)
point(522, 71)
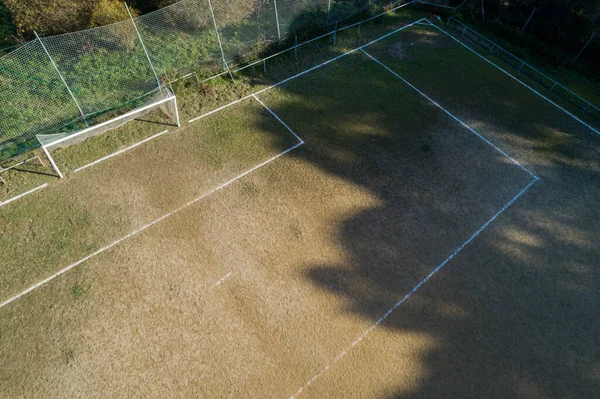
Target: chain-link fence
point(63, 83)
point(522, 67)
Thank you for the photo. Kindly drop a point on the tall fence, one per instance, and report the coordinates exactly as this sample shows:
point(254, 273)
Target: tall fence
point(66, 82)
point(523, 67)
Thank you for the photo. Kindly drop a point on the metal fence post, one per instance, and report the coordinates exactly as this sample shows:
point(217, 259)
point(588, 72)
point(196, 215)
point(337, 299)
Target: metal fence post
point(219, 40)
point(588, 42)
point(62, 78)
point(335, 34)
point(482, 12)
point(328, 11)
point(277, 19)
point(144, 47)
point(529, 19)
point(296, 48)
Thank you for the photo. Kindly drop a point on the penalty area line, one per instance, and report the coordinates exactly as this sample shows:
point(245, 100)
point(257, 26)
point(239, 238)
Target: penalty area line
point(279, 119)
point(451, 115)
point(415, 289)
point(145, 227)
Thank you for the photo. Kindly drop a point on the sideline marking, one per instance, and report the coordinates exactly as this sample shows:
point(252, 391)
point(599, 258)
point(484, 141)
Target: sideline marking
point(415, 289)
point(513, 77)
point(121, 151)
point(304, 72)
point(450, 114)
point(192, 202)
point(24, 194)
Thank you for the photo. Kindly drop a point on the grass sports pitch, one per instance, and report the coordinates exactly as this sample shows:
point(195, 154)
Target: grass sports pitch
point(402, 220)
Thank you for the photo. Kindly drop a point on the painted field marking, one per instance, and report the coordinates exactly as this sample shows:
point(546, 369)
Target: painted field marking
point(450, 114)
point(8, 201)
point(141, 229)
point(304, 72)
point(415, 289)
point(514, 78)
point(279, 119)
point(221, 281)
point(121, 151)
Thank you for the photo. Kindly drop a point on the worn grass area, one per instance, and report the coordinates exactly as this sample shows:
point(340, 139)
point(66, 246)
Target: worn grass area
point(196, 99)
point(383, 183)
point(310, 251)
point(47, 231)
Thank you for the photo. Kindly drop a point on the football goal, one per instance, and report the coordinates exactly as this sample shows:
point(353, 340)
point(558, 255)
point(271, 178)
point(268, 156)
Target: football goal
point(165, 101)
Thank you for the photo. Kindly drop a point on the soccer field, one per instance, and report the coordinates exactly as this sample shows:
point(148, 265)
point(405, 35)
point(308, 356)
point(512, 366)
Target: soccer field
point(404, 220)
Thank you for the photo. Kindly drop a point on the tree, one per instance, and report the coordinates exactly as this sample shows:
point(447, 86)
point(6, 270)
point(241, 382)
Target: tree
point(49, 17)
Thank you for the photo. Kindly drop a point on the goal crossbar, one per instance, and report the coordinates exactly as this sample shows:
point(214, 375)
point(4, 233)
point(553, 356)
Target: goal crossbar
point(46, 147)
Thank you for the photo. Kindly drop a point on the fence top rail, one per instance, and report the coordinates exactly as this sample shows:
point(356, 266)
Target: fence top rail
point(524, 63)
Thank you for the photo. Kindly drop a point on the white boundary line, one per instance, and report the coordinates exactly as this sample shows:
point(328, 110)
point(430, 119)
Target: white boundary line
point(121, 151)
point(23, 195)
point(516, 79)
point(305, 72)
point(221, 281)
point(279, 119)
point(141, 229)
point(415, 289)
point(450, 114)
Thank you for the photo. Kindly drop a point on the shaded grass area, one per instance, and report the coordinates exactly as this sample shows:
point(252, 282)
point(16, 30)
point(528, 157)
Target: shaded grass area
point(386, 186)
point(513, 315)
point(570, 79)
point(468, 85)
point(47, 231)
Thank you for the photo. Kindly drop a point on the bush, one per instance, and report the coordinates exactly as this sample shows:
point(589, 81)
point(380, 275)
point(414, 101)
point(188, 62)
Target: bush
point(49, 17)
point(108, 12)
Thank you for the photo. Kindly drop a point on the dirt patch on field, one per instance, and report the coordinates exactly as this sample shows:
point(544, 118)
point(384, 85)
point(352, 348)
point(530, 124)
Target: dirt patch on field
point(401, 49)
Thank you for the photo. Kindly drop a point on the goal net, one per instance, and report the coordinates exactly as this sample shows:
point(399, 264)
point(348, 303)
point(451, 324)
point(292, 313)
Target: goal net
point(162, 99)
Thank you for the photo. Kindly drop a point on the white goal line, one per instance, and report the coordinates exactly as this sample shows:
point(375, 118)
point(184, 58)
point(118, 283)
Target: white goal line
point(306, 71)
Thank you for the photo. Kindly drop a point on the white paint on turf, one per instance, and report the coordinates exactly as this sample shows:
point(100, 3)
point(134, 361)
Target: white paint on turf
point(450, 114)
point(121, 151)
point(141, 229)
point(304, 72)
point(8, 201)
point(415, 289)
point(514, 78)
point(279, 119)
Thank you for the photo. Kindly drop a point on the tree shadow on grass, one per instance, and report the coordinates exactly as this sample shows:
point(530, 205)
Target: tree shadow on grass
point(515, 313)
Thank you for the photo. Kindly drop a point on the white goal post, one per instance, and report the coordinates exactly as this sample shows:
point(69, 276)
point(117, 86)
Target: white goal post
point(49, 141)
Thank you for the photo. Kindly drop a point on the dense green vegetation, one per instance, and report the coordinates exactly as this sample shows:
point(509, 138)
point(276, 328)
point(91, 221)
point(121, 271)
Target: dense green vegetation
point(557, 26)
point(107, 69)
